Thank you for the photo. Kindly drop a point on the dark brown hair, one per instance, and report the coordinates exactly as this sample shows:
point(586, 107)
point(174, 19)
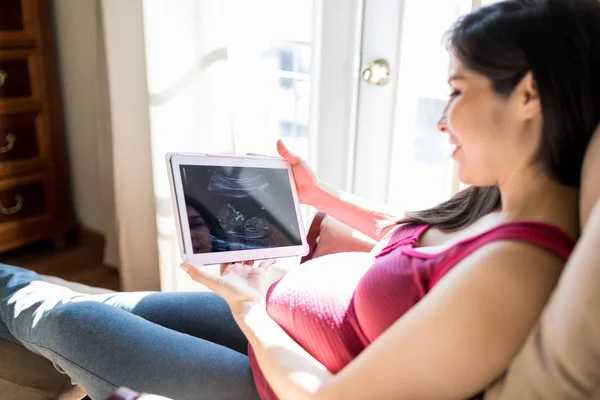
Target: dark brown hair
point(559, 42)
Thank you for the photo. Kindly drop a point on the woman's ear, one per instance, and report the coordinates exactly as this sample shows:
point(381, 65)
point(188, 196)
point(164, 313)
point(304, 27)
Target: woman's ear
point(590, 184)
point(528, 97)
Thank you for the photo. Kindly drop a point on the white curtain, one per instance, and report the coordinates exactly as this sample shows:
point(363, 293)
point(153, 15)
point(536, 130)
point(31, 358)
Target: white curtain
point(131, 158)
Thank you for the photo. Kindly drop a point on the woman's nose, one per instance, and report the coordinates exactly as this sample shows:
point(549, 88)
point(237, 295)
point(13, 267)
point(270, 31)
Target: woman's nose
point(442, 124)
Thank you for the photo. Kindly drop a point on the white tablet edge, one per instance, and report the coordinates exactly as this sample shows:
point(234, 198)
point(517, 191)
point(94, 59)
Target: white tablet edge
point(178, 225)
point(174, 160)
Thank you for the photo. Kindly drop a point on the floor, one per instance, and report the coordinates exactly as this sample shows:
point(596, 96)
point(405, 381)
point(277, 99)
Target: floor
point(78, 260)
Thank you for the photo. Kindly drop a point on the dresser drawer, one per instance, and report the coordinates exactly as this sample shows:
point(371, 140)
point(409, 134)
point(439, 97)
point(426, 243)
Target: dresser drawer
point(22, 199)
point(17, 83)
point(17, 27)
point(19, 146)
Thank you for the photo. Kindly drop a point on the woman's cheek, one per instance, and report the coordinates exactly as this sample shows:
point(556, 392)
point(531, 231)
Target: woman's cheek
point(454, 117)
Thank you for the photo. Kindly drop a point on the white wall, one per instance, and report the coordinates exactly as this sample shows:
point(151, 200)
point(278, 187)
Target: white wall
point(84, 84)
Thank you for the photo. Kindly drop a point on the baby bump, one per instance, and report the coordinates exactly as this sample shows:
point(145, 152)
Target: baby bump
point(327, 276)
point(311, 304)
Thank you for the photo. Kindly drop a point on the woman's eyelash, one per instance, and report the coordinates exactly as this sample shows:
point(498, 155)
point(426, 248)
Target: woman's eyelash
point(454, 92)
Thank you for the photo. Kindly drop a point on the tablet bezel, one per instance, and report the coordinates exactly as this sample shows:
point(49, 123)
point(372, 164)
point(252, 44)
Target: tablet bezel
point(175, 160)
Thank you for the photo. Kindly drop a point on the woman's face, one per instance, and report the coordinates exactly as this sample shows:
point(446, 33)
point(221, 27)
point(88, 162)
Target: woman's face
point(490, 131)
point(199, 232)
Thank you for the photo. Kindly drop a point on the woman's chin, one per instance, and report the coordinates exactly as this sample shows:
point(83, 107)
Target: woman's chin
point(464, 178)
point(467, 180)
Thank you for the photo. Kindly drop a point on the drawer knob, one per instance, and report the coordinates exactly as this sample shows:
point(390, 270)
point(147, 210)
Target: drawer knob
point(3, 78)
point(10, 143)
point(14, 209)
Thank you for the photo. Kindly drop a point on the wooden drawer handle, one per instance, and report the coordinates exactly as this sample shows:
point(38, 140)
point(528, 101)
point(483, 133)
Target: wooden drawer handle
point(15, 209)
point(10, 143)
point(3, 78)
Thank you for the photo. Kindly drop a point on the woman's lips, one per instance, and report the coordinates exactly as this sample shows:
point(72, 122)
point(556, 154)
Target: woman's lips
point(456, 149)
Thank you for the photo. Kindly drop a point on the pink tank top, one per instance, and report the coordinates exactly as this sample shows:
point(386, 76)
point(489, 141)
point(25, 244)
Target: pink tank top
point(334, 312)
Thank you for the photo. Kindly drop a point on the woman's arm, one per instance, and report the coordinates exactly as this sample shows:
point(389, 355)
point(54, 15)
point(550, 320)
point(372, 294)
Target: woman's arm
point(348, 209)
point(451, 345)
point(290, 370)
point(354, 212)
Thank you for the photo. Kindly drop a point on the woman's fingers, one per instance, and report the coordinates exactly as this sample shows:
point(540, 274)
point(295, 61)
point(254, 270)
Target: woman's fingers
point(265, 265)
point(224, 267)
point(214, 283)
point(209, 280)
point(284, 152)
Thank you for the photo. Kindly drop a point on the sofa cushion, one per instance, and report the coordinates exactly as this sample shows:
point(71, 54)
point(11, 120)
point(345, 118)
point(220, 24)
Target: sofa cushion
point(27, 376)
point(590, 184)
point(78, 287)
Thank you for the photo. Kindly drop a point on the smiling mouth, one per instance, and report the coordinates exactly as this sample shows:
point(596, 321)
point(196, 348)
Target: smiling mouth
point(456, 149)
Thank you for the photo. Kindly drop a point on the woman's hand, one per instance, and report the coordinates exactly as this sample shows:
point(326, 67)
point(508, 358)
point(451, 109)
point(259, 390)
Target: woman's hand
point(240, 284)
point(307, 184)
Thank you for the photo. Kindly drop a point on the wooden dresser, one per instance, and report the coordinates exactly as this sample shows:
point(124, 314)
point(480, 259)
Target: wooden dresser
point(34, 191)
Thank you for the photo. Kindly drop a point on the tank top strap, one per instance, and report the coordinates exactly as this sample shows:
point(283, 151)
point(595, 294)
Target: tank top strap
point(403, 235)
point(547, 236)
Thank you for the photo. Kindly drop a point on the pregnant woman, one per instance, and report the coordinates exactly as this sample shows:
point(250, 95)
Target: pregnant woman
point(440, 306)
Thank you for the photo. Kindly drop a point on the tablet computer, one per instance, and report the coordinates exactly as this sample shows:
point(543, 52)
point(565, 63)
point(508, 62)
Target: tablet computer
point(235, 208)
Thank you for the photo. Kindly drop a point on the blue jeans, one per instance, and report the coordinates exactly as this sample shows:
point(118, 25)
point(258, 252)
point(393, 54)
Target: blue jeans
point(179, 345)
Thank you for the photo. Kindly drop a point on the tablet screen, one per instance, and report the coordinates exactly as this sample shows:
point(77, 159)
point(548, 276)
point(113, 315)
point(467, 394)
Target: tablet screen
point(239, 208)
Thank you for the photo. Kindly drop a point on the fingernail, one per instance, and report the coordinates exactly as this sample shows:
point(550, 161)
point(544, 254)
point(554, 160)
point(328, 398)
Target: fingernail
point(184, 267)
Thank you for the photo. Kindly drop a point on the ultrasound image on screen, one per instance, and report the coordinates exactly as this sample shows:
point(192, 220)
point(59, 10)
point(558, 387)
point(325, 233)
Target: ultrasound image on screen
point(239, 208)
